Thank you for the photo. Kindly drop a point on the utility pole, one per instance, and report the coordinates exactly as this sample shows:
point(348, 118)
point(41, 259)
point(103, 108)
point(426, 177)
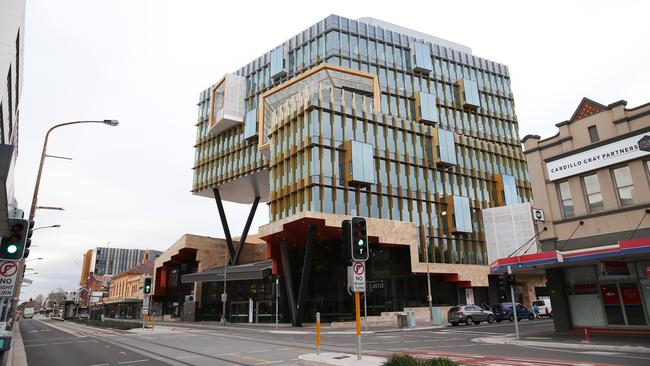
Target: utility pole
point(224, 296)
point(512, 297)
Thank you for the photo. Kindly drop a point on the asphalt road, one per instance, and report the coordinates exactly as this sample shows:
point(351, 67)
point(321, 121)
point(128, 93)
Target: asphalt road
point(46, 346)
point(196, 345)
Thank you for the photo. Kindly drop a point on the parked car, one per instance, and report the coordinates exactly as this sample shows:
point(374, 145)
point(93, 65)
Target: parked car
point(503, 311)
point(544, 307)
point(469, 314)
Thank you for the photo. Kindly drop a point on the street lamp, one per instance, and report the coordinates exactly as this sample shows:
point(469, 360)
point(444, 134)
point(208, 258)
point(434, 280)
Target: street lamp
point(32, 211)
point(46, 227)
point(34, 259)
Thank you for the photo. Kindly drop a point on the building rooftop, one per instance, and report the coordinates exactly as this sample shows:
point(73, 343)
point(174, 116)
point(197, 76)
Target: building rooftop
point(145, 267)
point(415, 34)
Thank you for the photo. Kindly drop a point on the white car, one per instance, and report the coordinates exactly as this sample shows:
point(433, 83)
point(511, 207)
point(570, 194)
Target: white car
point(544, 307)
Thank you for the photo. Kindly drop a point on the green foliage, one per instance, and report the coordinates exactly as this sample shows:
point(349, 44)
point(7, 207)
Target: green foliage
point(406, 360)
point(114, 324)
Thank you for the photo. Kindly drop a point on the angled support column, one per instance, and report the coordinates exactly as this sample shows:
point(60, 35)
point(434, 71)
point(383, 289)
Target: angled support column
point(306, 273)
point(224, 223)
point(242, 240)
point(288, 283)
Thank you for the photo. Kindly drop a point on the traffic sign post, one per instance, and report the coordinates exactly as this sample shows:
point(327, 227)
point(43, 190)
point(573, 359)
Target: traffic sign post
point(359, 285)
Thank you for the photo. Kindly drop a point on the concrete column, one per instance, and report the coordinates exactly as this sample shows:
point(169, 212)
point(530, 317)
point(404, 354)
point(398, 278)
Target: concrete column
point(559, 299)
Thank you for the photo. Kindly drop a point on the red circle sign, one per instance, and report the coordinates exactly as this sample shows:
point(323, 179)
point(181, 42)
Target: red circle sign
point(8, 269)
point(358, 268)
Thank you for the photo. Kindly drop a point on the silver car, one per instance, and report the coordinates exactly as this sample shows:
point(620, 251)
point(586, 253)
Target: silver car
point(469, 314)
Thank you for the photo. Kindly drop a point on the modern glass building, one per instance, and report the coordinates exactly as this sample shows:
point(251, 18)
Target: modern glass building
point(363, 117)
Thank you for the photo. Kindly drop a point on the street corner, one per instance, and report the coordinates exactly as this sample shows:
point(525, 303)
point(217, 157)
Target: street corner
point(339, 359)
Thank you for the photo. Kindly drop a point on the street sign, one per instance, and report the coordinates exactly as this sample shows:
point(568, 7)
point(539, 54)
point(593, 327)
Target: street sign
point(8, 272)
point(145, 305)
point(359, 277)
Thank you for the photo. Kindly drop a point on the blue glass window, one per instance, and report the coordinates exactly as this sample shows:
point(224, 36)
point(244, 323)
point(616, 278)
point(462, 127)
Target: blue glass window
point(277, 63)
point(250, 124)
point(426, 108)
point(421, 57)
point(446, 148)
point(362, 162)
point(510, 190)
point(462, 215)
point(469, 95)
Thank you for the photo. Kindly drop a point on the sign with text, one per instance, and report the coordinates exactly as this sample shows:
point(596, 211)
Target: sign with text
point(8, 272)
point(599, 157)
point(359, 277)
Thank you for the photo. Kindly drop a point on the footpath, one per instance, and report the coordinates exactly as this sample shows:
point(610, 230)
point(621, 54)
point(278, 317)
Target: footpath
point(606, 341)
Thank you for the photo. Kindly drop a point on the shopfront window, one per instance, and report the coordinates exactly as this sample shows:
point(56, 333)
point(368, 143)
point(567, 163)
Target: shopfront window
point(592, 191)
point(624, 185)
point(584, 300)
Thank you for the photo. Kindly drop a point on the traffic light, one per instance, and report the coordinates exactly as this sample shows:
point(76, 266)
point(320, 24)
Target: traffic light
point(147, 285)
point(14, 247)
point(510, 281)
point(359, 239)
point(503, 283)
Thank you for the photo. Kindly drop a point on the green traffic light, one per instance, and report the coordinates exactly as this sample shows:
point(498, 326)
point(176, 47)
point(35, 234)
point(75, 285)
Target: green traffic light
point(360, 242)
point(12, 248)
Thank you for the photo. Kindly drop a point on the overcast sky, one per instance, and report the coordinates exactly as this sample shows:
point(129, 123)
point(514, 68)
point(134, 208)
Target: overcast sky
point(145, 62)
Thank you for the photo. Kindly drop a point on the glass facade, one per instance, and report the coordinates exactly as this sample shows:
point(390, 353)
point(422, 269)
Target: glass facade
point(414, 165)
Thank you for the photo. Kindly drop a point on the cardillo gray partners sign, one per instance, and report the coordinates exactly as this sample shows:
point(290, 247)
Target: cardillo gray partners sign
point(616, 152)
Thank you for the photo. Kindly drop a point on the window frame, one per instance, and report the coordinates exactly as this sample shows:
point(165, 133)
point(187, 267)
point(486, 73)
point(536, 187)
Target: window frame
point(593, 128)
point(586, 194)
point(617, 188)
point(561, 199)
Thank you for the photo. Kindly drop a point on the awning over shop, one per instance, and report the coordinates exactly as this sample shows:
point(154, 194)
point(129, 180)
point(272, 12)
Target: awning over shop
point(557, 258)
point(242, 272)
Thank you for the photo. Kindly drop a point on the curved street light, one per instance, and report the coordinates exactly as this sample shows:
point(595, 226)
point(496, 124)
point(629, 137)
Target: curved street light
point(32, 211)
point(34, 259)
point(46, 227)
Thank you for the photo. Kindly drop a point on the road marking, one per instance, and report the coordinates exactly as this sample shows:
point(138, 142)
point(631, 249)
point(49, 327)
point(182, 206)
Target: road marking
point(62, 343)
point(107, 346)
point(269, 362)
point(260, 351)
point(34, 345)
point(184, 357)
point(603, 353)
point(122, 352)
point(100, 364)
point(134, 361)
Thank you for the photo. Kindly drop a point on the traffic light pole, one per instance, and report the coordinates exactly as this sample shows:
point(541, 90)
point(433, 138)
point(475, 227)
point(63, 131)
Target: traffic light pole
point(514, 305)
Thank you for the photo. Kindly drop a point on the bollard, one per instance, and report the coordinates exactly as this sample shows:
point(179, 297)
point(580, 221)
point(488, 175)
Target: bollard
point(153, 322)
point(585, 339)
point(318, 333)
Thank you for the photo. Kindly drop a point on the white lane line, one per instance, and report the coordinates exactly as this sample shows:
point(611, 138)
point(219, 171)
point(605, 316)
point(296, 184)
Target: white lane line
point(100, 364)
point(34, 345)
point(602, 353)
point(134, 361)
point(184, 357)
point(259, 351)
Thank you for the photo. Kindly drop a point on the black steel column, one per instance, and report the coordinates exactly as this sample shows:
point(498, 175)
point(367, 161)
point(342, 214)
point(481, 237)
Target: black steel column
point(306, 273)
point(244, 234)
point(224, 223)
point(288, 282)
